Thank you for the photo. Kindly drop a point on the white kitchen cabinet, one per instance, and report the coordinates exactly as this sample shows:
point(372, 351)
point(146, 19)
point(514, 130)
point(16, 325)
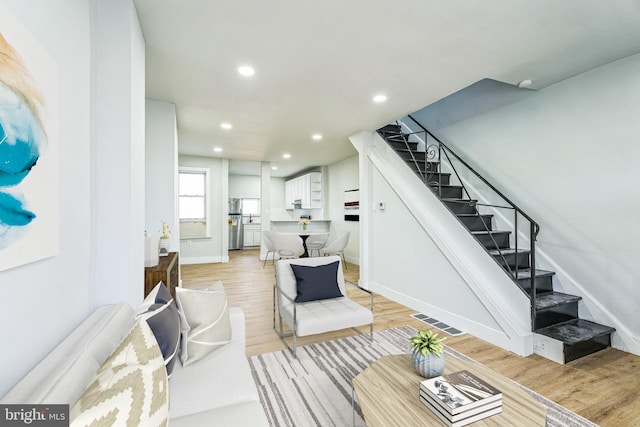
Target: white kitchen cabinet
point(306, 188)
point(252, 235)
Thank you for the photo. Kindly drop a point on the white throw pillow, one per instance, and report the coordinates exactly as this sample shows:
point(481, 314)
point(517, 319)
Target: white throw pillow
point(131, 388)
point(205, 321)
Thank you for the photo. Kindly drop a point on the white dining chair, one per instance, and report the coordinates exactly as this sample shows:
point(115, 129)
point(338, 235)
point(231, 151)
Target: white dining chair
point(271, 248)
point(316, 242)
point(287, 246)
point(337, 247)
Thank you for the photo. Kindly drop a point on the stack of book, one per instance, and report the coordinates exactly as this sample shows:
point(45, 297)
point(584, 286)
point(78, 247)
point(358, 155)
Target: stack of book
point(460, 398)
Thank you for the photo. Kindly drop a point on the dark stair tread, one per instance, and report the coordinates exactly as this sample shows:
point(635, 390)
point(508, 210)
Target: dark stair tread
point(575, 331)
point(473, 214)
point(507, 251)
point(491, 232)
point(548, 300)
point(461, 201)
point(389, 128)
point(525, 273)
point(445, 185)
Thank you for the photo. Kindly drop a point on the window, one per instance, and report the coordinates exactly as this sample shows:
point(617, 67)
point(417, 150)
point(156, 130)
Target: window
point(251, 207)
point(193, 202)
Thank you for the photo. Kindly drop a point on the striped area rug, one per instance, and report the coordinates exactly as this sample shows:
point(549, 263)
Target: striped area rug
point(315, 388)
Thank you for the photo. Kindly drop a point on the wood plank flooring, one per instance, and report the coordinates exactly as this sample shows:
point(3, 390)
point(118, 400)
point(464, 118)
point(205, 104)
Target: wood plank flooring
point(603, 387)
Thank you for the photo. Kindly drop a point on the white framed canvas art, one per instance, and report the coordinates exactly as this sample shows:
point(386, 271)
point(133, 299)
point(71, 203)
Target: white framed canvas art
point(29, 170)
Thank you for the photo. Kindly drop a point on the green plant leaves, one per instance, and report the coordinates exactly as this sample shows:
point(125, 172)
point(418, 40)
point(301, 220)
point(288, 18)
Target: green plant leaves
point(427, 343)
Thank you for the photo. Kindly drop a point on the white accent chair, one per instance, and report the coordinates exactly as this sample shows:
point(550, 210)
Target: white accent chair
point(337, 247)
point(314, 317)
point(268, 243)
point(316, 242)
point(287, 246)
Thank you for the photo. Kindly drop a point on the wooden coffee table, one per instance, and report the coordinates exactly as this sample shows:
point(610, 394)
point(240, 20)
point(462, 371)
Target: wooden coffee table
point(388, 393)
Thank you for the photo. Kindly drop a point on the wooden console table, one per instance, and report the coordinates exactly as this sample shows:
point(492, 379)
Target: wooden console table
point(166, 272)
point(388, 392)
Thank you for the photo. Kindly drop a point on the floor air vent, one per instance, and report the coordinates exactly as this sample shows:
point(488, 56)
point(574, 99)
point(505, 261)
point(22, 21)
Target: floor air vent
point(437, 324)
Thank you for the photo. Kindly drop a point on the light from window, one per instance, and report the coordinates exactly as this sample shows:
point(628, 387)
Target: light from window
point(192, 202)
point(251, 207)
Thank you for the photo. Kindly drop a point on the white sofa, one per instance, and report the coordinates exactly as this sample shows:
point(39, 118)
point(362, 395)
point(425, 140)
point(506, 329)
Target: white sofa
point(217, 390)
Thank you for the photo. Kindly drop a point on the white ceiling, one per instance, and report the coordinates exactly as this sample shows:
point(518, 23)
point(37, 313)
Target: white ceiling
point(318, 64)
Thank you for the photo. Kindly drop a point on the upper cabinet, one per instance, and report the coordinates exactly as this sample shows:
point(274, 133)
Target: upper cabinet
point(305, 190)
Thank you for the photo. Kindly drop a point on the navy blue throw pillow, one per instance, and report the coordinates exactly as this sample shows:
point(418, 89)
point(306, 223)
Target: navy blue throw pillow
point(316, 282)
point(161, 313)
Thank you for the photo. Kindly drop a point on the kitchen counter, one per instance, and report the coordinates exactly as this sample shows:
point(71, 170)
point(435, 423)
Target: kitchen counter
point(292, 225)
point(297, 220)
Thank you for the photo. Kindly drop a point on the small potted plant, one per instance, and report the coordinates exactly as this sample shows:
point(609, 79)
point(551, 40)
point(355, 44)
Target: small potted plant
point(427, 355)
point(304, 222)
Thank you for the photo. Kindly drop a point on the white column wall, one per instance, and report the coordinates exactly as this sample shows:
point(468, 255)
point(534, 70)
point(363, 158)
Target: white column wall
point(161, 154)
point(118, 152)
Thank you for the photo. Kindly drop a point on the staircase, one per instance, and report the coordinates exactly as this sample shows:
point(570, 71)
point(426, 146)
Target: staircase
point(560, 334)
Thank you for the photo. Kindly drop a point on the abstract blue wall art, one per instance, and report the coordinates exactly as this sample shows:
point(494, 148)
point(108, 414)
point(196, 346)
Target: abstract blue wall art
point(28, 147)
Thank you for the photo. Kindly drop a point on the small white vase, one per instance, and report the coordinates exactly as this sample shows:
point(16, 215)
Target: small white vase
point(163, 246)
point(428, 366)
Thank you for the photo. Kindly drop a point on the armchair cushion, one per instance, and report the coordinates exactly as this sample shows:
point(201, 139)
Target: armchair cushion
point(316, 282)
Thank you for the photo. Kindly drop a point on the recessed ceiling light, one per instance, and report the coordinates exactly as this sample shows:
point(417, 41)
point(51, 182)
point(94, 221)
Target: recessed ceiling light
point(316, 137)
point(286, 156)
point(217, 149)
point(247, 71)
point(226, 126)
point(275, 168)
point(379, 98)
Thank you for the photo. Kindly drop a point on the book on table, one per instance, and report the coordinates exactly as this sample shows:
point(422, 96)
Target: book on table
point(468, 418)
point(460, 392)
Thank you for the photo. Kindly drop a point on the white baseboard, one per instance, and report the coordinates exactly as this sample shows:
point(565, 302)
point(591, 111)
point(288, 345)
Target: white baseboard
point(522, 346)
point(204, 260)
point(352, 260)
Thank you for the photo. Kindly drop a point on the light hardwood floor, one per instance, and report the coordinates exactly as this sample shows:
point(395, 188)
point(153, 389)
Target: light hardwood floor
point(603, 387)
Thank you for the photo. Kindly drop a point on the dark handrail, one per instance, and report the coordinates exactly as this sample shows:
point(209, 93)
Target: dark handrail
point(537, 227)
point(534, 226)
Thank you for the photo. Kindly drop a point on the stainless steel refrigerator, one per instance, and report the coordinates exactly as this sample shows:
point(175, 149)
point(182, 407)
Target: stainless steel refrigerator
point(236, 232)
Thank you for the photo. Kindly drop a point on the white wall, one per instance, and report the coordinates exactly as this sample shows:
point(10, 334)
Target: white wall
point(161, 163)
point(343, 175)
point(569, 157)
point(119, 152)
point(215, 248)
point(244, 186)
point(277, 193)
point(44, 301)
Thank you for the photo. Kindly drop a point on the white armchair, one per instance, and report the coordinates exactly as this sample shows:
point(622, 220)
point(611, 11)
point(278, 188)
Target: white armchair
point(328, 309)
